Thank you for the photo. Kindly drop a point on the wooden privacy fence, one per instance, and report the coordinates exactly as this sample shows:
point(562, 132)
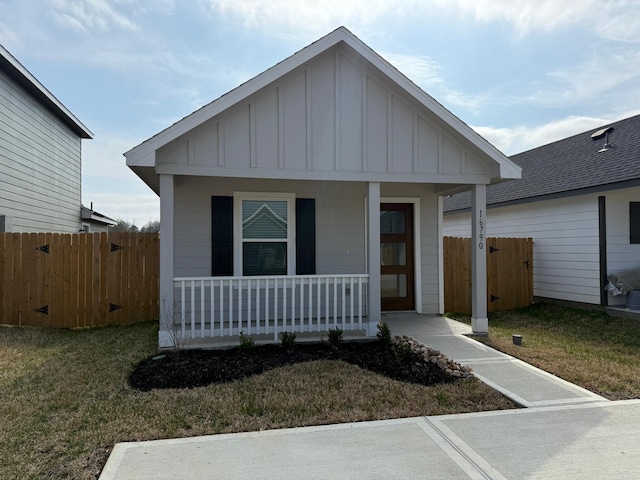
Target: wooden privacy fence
point(509, 273)
point(78, 280)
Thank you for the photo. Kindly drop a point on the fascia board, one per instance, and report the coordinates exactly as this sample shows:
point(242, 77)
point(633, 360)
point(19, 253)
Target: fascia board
point(40, 92)
point(510, 171)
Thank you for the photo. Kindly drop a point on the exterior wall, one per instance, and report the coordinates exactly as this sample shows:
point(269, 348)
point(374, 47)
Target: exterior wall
point(94, 227)
point(40, 165)
point(334, 118)
point(565, 243)
point(340, 225)
point(340, 239)
point(621, 255)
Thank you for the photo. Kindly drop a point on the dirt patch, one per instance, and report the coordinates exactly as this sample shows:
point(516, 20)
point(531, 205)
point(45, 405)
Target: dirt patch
point(196, 368)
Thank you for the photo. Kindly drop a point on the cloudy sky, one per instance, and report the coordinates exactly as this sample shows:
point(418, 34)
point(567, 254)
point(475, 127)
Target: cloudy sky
point(522, 73)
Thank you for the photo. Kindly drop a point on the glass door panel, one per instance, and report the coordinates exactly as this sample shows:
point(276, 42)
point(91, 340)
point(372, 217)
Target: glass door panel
point(396, 256)
point(393, 253)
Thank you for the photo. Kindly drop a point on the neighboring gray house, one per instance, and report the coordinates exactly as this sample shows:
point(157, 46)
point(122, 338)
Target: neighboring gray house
point(40, 156)
point(579, 199)
point(299, 199)
point(94, 222)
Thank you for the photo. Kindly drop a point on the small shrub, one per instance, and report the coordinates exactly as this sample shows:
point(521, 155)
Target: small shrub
point(334, 337)
point(287, 340)
point(246, 342)
point(405, 352)
point(384, 332)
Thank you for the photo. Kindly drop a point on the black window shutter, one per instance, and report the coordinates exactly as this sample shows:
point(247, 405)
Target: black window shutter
point(305, 236)
point(222, 236)
point(634, 222)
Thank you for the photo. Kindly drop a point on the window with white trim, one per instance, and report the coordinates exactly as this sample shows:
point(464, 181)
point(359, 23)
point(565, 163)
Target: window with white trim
point(265, 230)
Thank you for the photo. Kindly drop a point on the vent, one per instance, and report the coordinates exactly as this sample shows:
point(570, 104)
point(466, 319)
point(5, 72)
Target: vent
point(601, 132)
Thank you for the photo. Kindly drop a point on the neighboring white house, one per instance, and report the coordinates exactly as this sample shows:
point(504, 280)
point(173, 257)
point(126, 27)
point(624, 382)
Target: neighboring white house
point(293, 201)
point(40, 156)
point(95, 222)
point(579, 199)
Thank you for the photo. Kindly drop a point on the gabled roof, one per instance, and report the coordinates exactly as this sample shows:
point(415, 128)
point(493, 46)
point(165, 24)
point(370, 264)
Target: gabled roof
point(19, 74)
point(93, 216)
point(574, 165)
point(142, 156)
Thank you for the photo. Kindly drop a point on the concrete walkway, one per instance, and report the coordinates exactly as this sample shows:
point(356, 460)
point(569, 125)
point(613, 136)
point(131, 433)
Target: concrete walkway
point(527, 385)
point(567, 433)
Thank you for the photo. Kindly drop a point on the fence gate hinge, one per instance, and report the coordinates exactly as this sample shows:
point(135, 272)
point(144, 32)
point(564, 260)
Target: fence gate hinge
point(493, 249)
point(527, 263)
point(44, 248)
point(44, 309)
point(115, 248)
point(493, 298)
point(113, 306)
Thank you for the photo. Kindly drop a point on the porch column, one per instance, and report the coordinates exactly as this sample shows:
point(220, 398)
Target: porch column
point(373, 254)
point(165, 334)
point(479, 317)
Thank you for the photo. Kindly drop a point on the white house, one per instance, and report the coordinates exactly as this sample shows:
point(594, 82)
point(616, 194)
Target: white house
point(40, 157)
point(310, 197)
point(579, 199)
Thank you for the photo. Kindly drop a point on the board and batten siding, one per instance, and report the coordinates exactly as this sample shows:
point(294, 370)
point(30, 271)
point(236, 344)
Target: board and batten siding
point(340, 225)
point(565, 243)
point(334, 118)
point(40, 165)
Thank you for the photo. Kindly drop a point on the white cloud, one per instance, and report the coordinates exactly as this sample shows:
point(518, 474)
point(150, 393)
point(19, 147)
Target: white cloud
point(138, 209)
point(622, 28)
point(90, 16)
point(310, 17)
point(521, 138)
point(590, 81)
point(617, 20)
point(426, 74)
point(112, 187)
point(524, 15)
point(102, 157)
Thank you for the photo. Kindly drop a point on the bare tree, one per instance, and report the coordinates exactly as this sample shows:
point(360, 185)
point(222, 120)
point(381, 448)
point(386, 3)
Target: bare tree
point(152, 226)
point(124, 226)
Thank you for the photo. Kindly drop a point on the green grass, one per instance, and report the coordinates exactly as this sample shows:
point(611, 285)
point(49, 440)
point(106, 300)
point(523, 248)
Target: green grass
point(589, 348)
point(65, 400)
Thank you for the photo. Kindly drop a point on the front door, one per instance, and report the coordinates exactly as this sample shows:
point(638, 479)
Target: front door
point(396, 256)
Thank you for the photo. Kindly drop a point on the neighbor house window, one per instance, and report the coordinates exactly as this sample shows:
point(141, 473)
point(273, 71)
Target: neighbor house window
point(634, 222)
point(264, 229)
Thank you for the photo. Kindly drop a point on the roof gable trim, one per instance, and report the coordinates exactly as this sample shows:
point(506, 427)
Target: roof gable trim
point(31, 84)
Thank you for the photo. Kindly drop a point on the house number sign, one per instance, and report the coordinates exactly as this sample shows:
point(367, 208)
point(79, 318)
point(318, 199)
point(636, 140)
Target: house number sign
point(480, 231)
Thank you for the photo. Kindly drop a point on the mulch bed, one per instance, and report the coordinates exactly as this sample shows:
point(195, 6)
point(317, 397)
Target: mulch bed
point(197, 368)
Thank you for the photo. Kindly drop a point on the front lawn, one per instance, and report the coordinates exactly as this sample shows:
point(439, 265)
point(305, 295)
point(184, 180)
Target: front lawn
point(65, 399)
point(589, 348)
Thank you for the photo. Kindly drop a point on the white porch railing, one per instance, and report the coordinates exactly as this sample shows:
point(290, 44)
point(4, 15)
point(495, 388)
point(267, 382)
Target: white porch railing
point(225, 306)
